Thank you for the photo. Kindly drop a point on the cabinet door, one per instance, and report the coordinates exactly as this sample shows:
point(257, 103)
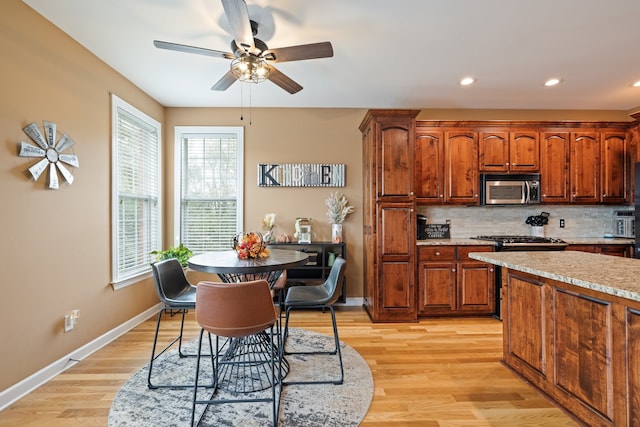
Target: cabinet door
point(585, 167)
point(429, 152)
point(524, 152)
point(493, 149)
point(614, 169)
point(554, 164)
point(396, 265)
point(461, 167)
point(395, 159)
point(476, 288)
point(437, 287)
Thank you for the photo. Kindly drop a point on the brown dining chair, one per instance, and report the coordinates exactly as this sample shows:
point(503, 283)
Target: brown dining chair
point(176, 294)
point(320, 297)
point(238, 311)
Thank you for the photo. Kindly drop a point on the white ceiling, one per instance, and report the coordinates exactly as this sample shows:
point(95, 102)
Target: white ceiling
point(387, 53)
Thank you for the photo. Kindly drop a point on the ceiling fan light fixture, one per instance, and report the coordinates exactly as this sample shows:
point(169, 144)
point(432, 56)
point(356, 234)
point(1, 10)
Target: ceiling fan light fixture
point(635, 84)
point(250, 69)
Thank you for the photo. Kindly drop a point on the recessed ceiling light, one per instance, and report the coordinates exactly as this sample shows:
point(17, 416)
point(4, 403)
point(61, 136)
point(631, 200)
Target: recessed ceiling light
point(552, 82)
point(636, 84)
point(467, 81)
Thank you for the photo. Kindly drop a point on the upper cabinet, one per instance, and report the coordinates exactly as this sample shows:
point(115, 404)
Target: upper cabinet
point(554, 167)
point(584, 167)
point(429, 152)
point(395, 159)
point(615, 167)
point(515, 151)
point(578, 162)
point(446, 166)
point(461, 167)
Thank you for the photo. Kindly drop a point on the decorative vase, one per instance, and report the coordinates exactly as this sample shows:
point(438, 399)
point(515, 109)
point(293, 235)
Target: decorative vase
point(336, 233)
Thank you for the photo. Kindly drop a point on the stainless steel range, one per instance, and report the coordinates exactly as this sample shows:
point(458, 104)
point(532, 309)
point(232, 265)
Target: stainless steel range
point(518, 243)
point(524, 243)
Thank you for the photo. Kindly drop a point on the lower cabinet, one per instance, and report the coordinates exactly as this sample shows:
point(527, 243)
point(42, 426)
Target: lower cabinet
point(451, 283)
point(580, 347)
point(614, 250)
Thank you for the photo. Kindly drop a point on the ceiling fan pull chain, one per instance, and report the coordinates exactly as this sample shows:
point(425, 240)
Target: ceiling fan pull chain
point(250, 92)
point(241, 101)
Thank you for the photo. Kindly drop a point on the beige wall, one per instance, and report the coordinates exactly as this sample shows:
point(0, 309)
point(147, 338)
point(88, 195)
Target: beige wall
point(55, 250)
point(56, 244)
point(281, 135)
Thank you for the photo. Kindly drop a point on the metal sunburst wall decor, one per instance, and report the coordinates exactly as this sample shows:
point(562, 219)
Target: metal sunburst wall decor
point(51, 151)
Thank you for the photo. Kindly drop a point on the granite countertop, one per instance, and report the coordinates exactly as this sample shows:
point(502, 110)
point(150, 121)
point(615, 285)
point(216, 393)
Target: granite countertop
point(569, 240)
point(607, 274)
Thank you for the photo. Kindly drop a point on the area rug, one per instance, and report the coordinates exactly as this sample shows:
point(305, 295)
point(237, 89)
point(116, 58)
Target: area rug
point(301, 405)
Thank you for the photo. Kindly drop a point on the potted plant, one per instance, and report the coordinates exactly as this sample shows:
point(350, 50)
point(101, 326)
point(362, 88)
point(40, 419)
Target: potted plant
point(337, 211)
point(180, 252)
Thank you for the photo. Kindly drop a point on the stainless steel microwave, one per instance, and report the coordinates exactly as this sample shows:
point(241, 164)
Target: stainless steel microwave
point(510, 189)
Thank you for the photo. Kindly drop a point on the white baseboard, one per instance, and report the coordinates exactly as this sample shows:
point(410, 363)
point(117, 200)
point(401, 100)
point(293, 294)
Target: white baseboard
point(24, 387)
point(354, 302)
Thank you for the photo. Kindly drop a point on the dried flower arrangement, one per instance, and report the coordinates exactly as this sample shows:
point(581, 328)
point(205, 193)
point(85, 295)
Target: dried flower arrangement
point(338, 208)
point(250, 245)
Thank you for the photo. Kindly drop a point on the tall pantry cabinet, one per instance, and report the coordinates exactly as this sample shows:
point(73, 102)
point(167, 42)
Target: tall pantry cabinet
point(388, 138)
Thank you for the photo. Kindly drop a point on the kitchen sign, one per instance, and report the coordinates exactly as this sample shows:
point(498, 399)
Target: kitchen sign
point(438, 231)
point(301, 175)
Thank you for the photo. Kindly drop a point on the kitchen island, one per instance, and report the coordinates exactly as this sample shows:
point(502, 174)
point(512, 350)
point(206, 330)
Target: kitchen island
point(571, 324)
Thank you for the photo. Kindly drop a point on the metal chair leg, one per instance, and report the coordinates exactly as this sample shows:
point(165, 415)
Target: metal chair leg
point(335, 351)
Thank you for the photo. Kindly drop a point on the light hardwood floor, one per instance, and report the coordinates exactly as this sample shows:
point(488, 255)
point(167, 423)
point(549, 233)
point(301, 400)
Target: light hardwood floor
point(434, 373)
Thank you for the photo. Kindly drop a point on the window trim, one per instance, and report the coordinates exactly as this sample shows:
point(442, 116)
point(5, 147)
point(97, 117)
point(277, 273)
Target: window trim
point(118, 281)
point(179, 131)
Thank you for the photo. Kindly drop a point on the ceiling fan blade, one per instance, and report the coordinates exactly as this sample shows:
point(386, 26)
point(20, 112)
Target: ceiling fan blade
point(223, 84)
point(283, 81)
point(238, 16)
point(297, 53)
point(192, 49)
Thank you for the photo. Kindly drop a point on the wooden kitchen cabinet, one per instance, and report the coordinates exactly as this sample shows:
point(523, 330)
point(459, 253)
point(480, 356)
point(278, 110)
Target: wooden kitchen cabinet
point(450, 283)
point(505, 152)
point(554, 167)
point(584, 161)
point(614, 168)
point(579, 346)
point(429, 155)
point(389, 219)
point(614, 250)
point(461, 167)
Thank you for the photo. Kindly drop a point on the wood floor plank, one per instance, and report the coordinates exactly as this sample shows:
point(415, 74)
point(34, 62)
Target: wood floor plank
point(433, 373)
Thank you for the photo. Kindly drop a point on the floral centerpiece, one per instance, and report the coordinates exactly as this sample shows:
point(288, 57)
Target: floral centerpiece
point(250, 245)
point(338, 209)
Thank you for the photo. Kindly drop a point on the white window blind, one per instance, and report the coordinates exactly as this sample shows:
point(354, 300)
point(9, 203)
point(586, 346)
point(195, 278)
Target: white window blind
point(136, 227)
point(211, 180)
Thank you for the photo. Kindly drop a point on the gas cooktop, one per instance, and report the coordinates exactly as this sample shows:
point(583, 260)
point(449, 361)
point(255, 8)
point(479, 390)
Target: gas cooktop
point(504, 240)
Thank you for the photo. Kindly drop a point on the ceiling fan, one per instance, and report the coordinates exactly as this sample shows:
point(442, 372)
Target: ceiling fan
point(252, 59)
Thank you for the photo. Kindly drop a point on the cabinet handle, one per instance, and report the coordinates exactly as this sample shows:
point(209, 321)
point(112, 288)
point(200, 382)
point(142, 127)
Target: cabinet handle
point(491, 270)
point(506, 164)
point(411, 193)
point(437, 253)
point(453, 269)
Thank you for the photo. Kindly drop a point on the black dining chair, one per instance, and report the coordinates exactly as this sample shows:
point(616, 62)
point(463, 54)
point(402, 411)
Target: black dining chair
point(176, 294)
point(242, 311)
point(322, 297)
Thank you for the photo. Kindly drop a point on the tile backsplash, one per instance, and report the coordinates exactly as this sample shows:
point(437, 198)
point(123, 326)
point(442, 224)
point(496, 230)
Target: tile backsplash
point(580, 221)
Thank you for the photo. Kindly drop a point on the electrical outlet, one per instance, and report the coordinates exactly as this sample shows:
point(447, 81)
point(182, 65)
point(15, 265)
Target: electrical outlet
point(68, 323)
point(561, 222)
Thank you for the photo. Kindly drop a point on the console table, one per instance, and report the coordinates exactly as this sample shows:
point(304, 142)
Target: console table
point(317, 268)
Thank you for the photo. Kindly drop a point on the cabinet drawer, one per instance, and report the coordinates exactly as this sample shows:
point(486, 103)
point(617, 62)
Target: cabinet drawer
point(437, 253)
point(463, 251)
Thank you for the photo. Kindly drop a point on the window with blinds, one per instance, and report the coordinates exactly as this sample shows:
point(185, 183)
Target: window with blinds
point(209, 203)
point(136, 191)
